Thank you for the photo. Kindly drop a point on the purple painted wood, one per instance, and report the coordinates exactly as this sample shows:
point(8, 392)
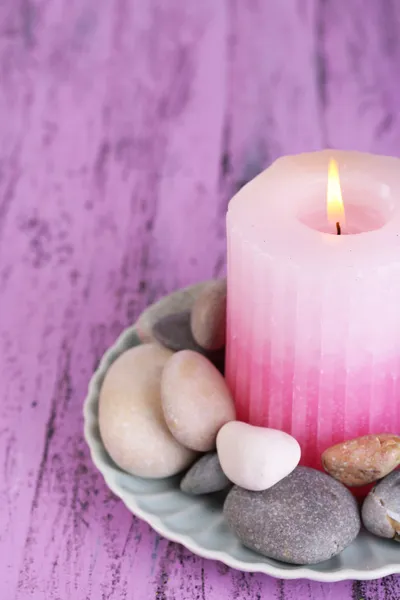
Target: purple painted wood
point(124, 128)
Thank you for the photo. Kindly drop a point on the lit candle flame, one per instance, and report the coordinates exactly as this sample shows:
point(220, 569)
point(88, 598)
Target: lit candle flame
point(335, 207)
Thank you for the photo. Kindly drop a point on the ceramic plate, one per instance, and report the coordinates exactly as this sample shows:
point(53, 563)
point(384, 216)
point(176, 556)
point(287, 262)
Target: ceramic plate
point(197, 522)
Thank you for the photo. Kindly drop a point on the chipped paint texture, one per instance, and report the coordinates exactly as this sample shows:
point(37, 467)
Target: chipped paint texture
point(124, 128)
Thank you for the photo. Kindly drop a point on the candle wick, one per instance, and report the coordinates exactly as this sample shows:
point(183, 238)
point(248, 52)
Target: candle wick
point(338, 229)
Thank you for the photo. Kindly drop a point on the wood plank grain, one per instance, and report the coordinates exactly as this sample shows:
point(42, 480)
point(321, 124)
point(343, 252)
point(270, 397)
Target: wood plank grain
point(273, 106)
point(71, 254)
point(124, 129)
point(359, 53)
point(77, 238)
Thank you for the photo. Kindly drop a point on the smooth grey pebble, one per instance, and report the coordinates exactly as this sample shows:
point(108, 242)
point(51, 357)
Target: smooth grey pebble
point(179, 301)
point(306, 518)
point(381, 508)
point(205, 476)
point(174, 332)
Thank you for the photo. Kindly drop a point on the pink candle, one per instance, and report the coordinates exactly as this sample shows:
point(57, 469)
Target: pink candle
point(314, 317)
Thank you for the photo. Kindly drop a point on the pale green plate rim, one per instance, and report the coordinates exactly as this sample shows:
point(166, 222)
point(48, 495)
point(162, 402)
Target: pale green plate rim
point(111, 473)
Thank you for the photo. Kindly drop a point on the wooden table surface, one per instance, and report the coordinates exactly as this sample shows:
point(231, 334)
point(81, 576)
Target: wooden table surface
point(125, 127)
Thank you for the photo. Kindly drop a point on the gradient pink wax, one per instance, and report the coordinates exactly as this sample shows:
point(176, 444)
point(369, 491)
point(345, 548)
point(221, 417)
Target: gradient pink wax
point(313, 343)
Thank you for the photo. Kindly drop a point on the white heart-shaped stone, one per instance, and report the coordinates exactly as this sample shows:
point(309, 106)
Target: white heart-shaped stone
point(256, 458)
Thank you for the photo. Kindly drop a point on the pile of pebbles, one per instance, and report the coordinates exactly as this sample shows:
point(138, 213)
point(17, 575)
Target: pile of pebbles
point(165, 409)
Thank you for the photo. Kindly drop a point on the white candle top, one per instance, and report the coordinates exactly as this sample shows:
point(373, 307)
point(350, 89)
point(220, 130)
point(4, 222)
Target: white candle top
point(282, 212)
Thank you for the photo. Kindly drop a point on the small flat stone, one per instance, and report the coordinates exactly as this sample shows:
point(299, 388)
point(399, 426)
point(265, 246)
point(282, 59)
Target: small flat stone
point(131, 421)
point(306, 518)
point(381, 508)
point(363, 460)
point(195, 399)
point(208, 317)
point(174, 332)
point(253, 463)
point(205, 476)
point(178, 301)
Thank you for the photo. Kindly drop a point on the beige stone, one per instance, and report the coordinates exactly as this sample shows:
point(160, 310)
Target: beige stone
point(195, 399)
point(131, 420)
point(209, 316)
point(178, 301)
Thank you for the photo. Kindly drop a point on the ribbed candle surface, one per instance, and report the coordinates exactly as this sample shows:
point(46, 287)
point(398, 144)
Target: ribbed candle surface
point(313, 342)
